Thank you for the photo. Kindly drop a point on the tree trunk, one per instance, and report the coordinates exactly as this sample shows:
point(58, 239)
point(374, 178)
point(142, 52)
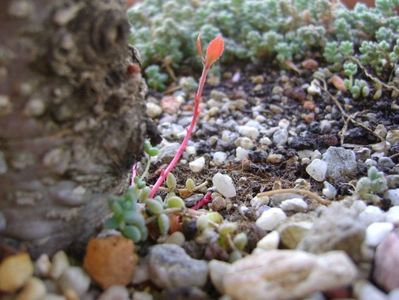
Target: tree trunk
point(71, 118)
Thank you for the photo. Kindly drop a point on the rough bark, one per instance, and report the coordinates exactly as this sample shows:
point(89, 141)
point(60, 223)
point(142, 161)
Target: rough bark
point(71, 118)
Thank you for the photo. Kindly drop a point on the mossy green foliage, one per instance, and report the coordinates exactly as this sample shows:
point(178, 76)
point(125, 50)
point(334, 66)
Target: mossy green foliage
point(165, 31)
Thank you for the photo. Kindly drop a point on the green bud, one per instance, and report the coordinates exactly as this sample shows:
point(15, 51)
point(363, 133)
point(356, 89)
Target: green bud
point(163, 224)
point(154, 207)
point(139, 182)
point(202, 222)
point(240, 240)
point(234, 256)
point(171, 182)
point(190, 184)
point(175, 202)
point(116, 208)
point(144, 194)
point(132, 232)
point(227, 228)
point(215, 217)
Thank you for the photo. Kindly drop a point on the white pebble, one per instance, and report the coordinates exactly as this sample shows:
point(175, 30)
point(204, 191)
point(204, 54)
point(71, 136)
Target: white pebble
point(59, 264)
point(176, 238)
point(392, 215)
point(269, 242)
point(241, 153)
point(377, 232)
point(257, 202)
point(137, 295)
point(248, 131)
point(265, 141)
point(314, 88)
point(115, 292)
point(153, 110)
point(280, 137)
point(219, 158)
point(317, 169)
point(294, 204)
point(245, 143)
point(271, 218)
point(372, 214)
point(42, 265)
point(197, 165)
point(224, 185)
point(76, 279)
point(329, 190)
point(393, 196)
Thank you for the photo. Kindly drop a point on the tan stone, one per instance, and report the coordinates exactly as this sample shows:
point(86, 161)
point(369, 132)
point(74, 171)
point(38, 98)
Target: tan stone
point(110, 260)
point(34, 289)
point(15, 271)
point(287, 274)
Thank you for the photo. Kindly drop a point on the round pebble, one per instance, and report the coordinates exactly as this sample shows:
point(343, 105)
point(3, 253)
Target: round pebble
point(115, 292)
point(219, 158)
point(197, 165)
point(176, 238)
point(294, 204)
point(317, 169)
point(224, 185)
point(74, 278)
point(271, 218)
point(376, 232)
point(269, 242)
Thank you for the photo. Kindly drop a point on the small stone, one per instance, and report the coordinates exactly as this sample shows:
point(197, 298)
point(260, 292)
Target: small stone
point(217, 269)
point(269, 242)
point(392, 216)
point(110, 260)
point(59, 264)
point(381, 130)
point(171, 267)
point(115, 292)
point(274, 270)
point(43, 266)
point(241, 153)
point(336, 227)
point(265, 141)
point(325, 126)
point(386, 271)
point(371, 214)
point(280, 137)
point(153, 110)
point(197, 165)
point(393, 181)
point(393, 196)
point(34, 289)
point(224, 185)
point(294, 205)
point(171, 104)
point(377, 232)
point(35, 108)
point(176, 238)
point(219, 158)
point(276, 109)
point(292, 234)
point(244, 142)
point(317, 169)
point(3, 164)
point(274, 159)
point(218, 203)
point(310, 64)
point(271, 219)
point(364, 290)
point(249, 131)
point(5, 105)
point(15, 271)
point(341, 164)
point(394, 295)
point(385, 162)
point(393, 136)
point(329, 190)
point(74, 278)
point(142, 296)
point(314, 88)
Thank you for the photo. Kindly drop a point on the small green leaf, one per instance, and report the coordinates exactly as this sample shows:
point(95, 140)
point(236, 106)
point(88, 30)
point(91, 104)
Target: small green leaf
point(171, 182)
point(175, 202)
point(240, 240)
point(111, 223)
point(154, 207)
point(163, 224)
point(132, 232)
point(144, 194)
point(190, 184)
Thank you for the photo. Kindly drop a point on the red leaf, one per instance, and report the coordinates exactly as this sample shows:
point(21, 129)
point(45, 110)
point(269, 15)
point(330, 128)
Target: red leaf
point(214, 51)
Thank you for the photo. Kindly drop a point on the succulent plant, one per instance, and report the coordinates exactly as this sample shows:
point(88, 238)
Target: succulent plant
point(374, 183)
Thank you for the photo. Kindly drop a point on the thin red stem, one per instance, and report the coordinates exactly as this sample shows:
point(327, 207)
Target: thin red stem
point(134, 174)
point(183, 145)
